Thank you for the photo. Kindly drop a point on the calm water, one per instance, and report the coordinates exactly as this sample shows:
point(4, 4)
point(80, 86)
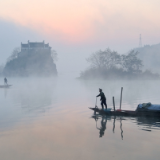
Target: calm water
point(46, 119)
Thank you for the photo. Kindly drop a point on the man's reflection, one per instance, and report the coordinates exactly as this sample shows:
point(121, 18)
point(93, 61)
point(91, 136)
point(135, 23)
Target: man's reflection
point(103, 126)
point(5, 92)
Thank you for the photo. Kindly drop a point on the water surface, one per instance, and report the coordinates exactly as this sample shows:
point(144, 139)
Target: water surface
point(45, 119)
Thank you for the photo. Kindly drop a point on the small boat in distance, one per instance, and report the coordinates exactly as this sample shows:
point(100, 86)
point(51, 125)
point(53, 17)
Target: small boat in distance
point(5, 86)
point(144, 109)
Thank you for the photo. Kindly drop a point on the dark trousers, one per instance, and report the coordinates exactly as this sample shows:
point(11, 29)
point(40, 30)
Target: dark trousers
point(103, 102)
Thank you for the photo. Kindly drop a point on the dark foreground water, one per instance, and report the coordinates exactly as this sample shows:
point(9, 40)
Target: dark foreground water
point(46, 119)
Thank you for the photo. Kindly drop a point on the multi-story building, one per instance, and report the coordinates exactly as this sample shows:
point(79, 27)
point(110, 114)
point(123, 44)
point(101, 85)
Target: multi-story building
point(35, 46)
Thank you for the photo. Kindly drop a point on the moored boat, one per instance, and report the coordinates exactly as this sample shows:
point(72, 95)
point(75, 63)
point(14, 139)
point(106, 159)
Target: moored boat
point(145, 109)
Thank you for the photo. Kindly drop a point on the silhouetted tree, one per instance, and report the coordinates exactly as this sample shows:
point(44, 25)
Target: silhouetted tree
point(106, 59)
point(131, 63)
point(14, 54)
point(109, 64)
point(1, 69)
point(54, 55)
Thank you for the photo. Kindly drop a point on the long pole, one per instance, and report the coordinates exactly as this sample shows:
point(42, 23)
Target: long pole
point(96, 103)
point(121, 97)
point(95, 106)
point(113, 104)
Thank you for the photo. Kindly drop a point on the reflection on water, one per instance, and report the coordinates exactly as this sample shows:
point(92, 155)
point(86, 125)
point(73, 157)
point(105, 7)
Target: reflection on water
point(5, 92)
point(103, 124)
point(143, 123)
point(148, 123)
point(49, 119)
point(121, 128)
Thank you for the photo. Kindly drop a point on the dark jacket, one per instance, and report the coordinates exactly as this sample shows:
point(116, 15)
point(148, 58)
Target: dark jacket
point(103, 97)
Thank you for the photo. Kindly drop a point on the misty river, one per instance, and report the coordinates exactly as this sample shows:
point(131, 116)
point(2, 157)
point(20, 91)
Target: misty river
point(49, 118)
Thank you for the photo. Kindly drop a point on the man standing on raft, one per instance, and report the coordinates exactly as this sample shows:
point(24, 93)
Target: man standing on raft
point(103, 98)
point(5, 81)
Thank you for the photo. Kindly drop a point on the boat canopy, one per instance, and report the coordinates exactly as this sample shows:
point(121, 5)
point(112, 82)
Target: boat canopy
point(149, 106)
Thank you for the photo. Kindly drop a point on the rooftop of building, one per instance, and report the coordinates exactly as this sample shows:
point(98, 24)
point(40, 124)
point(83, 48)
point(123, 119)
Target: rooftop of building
point(35, 45)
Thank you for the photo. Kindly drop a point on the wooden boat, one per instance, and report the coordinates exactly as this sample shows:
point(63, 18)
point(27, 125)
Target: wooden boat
point(5, 86)
point(145, 109)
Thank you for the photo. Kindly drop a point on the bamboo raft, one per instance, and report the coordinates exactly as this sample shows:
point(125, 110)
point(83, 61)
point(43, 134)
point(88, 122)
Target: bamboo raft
point(5, 86)
point(142, 112)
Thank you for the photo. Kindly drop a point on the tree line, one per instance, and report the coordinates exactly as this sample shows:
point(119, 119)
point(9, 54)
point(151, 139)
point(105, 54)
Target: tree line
point(110, 64)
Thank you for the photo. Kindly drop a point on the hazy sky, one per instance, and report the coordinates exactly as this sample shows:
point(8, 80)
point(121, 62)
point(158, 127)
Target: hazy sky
point(75, 29)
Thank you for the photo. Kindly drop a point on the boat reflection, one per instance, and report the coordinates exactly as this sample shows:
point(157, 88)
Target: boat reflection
point(148, 123)
point(144, 123)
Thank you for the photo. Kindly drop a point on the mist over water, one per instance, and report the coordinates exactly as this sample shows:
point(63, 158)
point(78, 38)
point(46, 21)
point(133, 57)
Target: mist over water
point(48, 118)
